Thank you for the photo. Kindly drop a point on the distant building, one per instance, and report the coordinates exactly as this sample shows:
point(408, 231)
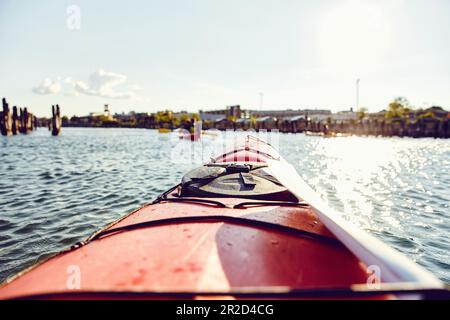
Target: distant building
point(211, 117)
point(106, 114)
point(343, 116)
point(316, 112)
point(280, 114)
point(243, 123)
point(266, 123)
point(214, 115)
point(234, 111)
point(124, 117)
point(274, 113)
point(377, 115)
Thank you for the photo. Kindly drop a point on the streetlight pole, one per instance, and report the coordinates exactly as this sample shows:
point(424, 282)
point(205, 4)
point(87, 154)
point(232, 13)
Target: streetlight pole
point(357, 94)
point(261, 97)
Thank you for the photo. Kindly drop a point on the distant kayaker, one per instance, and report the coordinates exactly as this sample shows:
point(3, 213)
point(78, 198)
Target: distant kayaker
point(192, 129)
point(187, 125)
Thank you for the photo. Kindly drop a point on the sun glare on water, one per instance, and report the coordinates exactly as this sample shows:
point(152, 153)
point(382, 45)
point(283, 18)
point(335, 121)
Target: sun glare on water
point(383, 185)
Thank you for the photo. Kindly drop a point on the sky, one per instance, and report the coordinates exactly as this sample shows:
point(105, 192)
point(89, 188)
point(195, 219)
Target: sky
point(147, 55)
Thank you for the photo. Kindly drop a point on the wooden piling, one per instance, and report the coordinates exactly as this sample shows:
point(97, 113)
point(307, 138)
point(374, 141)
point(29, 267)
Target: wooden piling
point(25, 121)
point(56, 120)
point(20, 120)
point(15, 121)
point(5, 119)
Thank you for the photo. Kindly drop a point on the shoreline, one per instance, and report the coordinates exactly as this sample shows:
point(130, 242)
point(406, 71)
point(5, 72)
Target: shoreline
point(356, 131)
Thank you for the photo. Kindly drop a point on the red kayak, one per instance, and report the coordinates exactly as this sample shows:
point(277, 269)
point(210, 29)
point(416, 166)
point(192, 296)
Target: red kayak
point(236, 227)
point(190, 136)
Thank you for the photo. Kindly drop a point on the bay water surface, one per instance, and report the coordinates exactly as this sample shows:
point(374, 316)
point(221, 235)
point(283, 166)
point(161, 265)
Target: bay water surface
point(56, 191)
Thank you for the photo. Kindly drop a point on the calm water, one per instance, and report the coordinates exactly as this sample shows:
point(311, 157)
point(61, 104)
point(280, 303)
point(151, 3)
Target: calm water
point(57, 191)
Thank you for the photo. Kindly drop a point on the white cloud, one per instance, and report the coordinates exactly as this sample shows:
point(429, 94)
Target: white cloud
point(48, 86)
point(103, 84)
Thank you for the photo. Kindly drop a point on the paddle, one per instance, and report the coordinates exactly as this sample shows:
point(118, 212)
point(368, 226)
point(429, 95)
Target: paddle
point(393, 266)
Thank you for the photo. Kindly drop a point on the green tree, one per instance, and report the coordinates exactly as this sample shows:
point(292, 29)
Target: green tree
point(399, 108)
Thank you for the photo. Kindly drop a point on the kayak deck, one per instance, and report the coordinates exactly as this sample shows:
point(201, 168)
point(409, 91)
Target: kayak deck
point(205, 247)
point(249, 247)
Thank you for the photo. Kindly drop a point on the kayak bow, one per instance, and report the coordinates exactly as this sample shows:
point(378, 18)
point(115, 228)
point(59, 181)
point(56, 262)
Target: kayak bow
point(244, 225)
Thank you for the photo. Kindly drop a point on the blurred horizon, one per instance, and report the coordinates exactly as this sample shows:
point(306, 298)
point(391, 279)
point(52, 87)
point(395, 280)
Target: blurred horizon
point(146, 56)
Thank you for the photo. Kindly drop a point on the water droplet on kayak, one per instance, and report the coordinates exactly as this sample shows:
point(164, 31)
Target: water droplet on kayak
point(274, 242)
point(142, 271)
